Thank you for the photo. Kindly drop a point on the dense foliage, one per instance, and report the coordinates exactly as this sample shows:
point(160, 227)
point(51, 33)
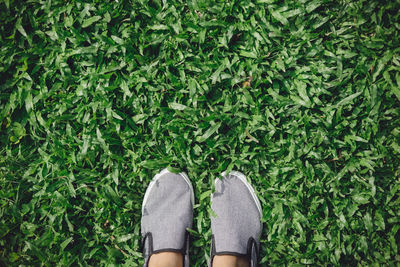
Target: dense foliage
point(301, 96)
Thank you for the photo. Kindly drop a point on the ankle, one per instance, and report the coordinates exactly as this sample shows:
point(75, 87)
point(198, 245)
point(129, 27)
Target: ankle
point(230, 261)
point(166, 259)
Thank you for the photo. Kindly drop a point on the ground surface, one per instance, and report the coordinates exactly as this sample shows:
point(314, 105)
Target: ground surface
point(97, 96)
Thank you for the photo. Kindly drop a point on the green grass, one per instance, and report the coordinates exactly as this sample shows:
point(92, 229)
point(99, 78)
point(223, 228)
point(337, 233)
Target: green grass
point(301, 96)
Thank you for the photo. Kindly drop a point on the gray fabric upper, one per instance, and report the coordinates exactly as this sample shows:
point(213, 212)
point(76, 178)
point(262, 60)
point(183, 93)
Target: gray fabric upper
point(167, 213)
point(237, 216)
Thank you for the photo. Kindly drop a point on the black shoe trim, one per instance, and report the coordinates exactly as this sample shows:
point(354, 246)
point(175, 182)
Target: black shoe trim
point(149, 236)
point(250, 244)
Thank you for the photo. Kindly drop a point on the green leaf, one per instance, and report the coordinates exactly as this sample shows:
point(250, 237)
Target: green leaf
point(205, 195)
point(115, 175)
point(209, 132)
point(348, 99)
point(250, 54)
point(28, 102)
point(301, 89)
point(361, 199)
point(153, 164)
point(87, 22)
point(65, 243)
point(368, 222)
point(159, 27)
point(381, 64)
point(396, 89)
point(18, 129)
point(139, 118)
point(278, 16)
point(21, 30)
point(379, 221)
point(124, 238)
point(311, 6)
point(177, 106)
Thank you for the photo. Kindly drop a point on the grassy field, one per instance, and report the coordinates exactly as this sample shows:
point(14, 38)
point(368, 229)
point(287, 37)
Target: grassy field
point(98, 96)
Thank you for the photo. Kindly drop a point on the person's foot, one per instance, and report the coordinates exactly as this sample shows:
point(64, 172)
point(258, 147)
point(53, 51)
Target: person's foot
point(167, 211)
point(237, 227)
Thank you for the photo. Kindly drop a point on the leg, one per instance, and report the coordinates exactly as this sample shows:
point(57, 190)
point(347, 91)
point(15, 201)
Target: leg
point(166, 259)
point(230, 261)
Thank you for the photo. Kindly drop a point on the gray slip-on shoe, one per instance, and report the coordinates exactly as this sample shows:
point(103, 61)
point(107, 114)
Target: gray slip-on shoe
point(167, 211)
point(237, 226)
